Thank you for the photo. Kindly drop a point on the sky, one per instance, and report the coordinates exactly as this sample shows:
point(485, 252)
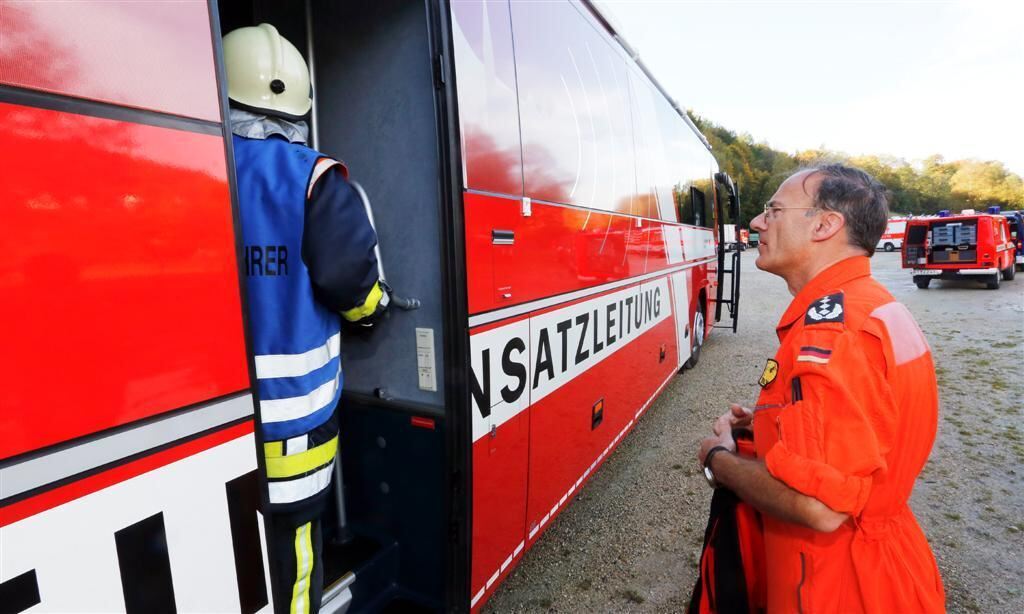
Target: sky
point(903, 79)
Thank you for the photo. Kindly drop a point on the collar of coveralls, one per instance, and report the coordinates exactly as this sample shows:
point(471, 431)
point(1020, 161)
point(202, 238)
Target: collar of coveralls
point(824, 283)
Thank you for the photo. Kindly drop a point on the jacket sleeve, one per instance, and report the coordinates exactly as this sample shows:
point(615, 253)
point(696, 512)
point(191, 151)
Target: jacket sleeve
point(833, 441)
point(338, 248)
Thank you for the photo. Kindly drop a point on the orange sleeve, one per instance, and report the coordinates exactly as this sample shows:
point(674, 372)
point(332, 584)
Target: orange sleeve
point(832, 442)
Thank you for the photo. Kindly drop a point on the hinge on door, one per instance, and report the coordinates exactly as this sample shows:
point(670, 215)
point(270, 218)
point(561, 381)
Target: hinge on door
point(440, 72)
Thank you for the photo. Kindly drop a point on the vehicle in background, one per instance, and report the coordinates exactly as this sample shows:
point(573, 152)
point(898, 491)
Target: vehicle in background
point(744, 238)
point(892, 238)
point(1016, 222)
point(731, 238)
point(966, 246)
point(755, 239)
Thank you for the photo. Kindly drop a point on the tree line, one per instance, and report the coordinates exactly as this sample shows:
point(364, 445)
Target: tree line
point(918, 188)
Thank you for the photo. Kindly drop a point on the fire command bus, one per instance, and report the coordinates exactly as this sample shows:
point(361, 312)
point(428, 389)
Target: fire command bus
point(969, 245)
point(557, 215)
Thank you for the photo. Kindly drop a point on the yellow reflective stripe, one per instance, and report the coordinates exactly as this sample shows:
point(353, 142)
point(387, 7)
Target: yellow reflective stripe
point(367, 308)
point(273, 449)
point(298, 464)
point(303, 567)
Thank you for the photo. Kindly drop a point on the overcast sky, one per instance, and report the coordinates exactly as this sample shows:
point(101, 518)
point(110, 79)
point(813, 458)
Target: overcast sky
point(907, 79)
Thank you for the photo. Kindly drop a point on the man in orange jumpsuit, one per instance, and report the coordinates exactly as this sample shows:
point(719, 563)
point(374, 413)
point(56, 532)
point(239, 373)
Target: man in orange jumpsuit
point(847, 413)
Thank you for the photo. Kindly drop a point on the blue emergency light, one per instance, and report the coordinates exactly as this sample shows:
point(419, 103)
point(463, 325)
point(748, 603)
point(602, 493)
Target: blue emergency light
point(944, 213)
point(994, 209)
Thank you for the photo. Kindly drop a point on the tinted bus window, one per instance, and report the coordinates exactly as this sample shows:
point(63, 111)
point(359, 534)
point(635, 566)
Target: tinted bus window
point(574, 109)
point(155, 55)
point(488, 109)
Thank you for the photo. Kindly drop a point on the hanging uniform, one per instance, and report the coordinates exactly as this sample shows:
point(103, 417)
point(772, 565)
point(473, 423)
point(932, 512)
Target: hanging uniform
point(848, 414)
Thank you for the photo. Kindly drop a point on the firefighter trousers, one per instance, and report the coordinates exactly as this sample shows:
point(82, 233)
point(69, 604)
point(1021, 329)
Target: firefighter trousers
point(297, 539)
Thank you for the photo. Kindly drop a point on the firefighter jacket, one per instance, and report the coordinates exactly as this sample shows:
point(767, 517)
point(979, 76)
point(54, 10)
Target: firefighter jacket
point(848, 414)
point(309, 258)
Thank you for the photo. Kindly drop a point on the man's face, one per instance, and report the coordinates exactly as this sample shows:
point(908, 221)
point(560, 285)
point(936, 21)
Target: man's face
point(786, 228)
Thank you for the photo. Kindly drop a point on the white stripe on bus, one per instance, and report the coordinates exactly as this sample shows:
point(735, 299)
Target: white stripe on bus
point(515, 310)
point(46, 468)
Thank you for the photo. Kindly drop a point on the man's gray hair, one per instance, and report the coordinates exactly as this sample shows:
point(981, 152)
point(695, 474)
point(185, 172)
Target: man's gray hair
point(859, 197)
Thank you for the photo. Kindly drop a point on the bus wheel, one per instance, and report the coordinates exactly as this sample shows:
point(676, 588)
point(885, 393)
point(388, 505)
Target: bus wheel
point(1009, 273)
point(698, 337)
point(889, 247)
point(993, 282)
point(922, 282)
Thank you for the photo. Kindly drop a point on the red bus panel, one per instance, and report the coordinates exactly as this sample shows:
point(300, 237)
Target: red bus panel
point(155, 55)
point(119, 275)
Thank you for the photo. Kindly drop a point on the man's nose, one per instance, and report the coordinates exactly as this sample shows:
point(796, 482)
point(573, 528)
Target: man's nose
point(758, 223)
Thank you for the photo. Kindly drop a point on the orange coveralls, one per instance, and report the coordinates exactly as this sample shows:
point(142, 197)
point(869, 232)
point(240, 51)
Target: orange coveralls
point(848, 415)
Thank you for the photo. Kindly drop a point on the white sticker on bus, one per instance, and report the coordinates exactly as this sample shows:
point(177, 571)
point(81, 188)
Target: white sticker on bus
point(523, 362)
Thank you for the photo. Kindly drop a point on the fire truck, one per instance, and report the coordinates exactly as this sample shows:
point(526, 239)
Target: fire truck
point(557, 214)
point(892, 238)
point(970, 245)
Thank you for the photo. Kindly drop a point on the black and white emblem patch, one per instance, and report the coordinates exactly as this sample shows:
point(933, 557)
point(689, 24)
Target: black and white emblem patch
point(825, 309)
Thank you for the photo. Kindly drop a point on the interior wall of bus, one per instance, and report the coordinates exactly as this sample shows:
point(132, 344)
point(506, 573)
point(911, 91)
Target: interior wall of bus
point(376, 111)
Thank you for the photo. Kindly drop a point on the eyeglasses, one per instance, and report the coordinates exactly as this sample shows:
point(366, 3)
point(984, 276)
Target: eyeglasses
point(771, 212)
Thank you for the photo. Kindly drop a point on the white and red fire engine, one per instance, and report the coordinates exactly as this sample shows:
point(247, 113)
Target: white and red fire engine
point(892, 238)
point(970, 245)
point(555, 212)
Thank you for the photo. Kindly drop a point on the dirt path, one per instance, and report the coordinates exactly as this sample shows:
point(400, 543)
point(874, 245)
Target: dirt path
point(631, 540)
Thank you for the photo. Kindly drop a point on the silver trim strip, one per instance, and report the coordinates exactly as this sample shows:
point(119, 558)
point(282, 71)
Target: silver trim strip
point(515, 310)
point(34, 472)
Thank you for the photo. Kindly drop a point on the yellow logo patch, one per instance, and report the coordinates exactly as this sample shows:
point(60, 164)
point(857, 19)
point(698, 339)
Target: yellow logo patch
point(771, 371)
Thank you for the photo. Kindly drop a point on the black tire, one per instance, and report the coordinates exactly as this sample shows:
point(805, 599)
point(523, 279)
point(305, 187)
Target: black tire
point(993, 282)
point(1009, 273)
point(696, 336)
point(889, 247)
point(922, 282)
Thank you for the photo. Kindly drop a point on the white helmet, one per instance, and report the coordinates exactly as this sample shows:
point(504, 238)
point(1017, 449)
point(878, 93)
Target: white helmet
point(266, 73)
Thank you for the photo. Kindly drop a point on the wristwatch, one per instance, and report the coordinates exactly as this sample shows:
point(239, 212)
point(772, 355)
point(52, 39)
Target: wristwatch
point(708, 475)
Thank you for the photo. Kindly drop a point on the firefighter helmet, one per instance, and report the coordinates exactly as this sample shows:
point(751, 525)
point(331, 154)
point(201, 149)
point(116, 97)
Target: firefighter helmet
point(266, 73)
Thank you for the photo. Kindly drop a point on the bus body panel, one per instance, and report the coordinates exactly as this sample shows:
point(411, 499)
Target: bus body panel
point(127, 448)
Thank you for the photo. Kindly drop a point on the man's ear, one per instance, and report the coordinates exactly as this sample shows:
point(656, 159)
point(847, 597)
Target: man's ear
point(827, 224)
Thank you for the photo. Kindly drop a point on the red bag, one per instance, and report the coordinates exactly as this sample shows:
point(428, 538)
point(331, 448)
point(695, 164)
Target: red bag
point(732, 574)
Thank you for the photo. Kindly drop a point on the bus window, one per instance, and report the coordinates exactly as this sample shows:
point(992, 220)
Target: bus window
point(693, 207)
point(574, 109)
point(488, 108)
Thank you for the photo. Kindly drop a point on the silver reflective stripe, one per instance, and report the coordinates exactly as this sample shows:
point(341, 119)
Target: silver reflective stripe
point(321, 167)
point(293, 408)
point(48, 467)
point(269, 366)
point(289, 491)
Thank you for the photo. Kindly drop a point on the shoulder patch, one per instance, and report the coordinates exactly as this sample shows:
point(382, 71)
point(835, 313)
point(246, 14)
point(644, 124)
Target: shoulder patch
point(826, 309)
point(771, 371)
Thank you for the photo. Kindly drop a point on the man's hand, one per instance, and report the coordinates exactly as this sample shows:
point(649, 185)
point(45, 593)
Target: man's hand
point(740, 417)
point(722, 437)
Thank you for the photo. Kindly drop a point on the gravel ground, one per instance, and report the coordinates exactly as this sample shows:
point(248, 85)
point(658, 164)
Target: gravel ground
point(631, 540)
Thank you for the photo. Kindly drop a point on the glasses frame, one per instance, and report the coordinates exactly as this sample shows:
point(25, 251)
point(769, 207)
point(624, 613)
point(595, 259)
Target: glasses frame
point(769, 210)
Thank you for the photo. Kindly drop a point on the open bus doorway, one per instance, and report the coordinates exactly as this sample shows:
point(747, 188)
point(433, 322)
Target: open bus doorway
point(376, 108)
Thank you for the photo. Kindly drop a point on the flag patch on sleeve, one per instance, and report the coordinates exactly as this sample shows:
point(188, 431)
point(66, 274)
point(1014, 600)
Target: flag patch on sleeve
point(809, 353)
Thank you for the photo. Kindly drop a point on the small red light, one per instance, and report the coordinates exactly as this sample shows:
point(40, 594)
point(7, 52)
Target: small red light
point(423, 423)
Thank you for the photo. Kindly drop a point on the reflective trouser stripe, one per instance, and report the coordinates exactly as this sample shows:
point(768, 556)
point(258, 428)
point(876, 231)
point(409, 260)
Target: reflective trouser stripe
point(290, 491)
point(279, 466)
point(303, 569)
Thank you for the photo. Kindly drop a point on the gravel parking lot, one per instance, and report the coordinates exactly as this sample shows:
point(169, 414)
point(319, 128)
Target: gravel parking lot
point(631, 540)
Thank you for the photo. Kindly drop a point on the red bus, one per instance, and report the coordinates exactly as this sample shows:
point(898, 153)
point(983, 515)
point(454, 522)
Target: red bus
point(555, 212)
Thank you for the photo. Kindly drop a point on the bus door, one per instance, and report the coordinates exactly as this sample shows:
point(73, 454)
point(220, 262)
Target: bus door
point(392, 537)
point(727, 198)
